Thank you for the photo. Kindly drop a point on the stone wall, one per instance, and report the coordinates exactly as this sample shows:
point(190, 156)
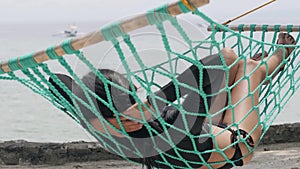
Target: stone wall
point(285, 133)
point(22, 152)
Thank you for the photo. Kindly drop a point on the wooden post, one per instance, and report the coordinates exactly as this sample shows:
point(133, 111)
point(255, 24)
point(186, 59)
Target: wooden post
point(270, 28)
point(129, 25)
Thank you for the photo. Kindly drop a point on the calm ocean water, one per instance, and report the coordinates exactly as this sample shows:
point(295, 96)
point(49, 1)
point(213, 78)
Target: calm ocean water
point(25, 115)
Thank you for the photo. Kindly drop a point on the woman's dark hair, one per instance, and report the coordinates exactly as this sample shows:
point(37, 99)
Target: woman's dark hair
point(122, 100)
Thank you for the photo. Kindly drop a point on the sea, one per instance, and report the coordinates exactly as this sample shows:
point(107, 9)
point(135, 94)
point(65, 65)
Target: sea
point(25, 115)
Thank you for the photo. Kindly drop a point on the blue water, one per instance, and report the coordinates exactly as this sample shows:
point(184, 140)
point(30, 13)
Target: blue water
point(25, 115)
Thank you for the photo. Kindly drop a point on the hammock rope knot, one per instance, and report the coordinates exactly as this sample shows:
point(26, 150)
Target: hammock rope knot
point(51, 53)
point(112, 31)
point(158, 15)
point(67, 47)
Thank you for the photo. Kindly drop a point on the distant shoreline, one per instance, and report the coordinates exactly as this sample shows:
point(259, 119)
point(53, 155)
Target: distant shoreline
point(22, 152)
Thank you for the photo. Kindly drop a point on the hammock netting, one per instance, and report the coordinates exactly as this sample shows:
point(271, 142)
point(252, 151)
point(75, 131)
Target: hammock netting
point(272, 99)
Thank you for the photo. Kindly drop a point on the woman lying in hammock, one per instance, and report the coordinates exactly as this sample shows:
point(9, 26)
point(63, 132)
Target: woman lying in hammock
point(191, 148)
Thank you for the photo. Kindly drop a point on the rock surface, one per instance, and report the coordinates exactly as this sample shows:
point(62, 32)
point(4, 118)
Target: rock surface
point(22, 153)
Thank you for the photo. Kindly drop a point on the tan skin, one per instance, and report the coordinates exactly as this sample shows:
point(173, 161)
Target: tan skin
point(240, 91)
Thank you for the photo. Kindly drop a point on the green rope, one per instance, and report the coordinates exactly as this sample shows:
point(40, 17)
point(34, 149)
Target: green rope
point(27, 61)
point(51, 52)
point(183, 7)
point(67, 47)
point(158, 15)
point(112, 31)
point(12, 64)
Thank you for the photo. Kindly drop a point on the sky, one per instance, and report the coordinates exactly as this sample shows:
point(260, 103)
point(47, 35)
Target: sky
point(93, 10)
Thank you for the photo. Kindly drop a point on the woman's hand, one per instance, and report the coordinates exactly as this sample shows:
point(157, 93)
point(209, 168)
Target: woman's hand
point(135, 112)
point(128, 125)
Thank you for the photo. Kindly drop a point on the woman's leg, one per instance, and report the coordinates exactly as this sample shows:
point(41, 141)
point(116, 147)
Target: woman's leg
point(220, 101)
point(244, 95)
point(244, 98)
point(243, 104)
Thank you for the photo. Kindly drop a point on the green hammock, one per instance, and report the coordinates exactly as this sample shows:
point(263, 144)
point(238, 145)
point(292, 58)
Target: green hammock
point(33, 71)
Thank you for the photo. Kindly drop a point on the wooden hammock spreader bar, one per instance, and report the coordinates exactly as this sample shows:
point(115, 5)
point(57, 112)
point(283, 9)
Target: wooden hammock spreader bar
point(129, 25)
point(269, 28)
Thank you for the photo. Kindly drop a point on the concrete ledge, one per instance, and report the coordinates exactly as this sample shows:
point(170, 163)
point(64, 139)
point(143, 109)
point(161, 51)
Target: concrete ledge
point(23, 152)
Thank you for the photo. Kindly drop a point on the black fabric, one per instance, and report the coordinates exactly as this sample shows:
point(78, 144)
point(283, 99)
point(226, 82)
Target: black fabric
point(191, 77)
point(193, 101)
point(67, 81)
point(237, 157)
point(170, 157)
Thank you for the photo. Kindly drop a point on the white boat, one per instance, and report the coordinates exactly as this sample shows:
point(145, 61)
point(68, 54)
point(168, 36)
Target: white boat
point(71, 31)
